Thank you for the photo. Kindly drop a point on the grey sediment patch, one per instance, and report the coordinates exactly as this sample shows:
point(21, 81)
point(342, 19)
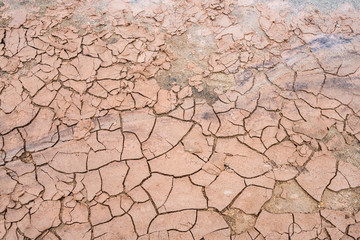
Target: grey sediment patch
point(289, 197)
point(343, 200)
point(324, 5)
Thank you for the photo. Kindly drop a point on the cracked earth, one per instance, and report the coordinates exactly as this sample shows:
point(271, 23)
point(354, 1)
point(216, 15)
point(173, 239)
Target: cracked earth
point(179, 120)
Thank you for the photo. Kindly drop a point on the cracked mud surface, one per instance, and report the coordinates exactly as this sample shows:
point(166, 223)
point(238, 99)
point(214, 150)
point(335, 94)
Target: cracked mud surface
point(191, 120)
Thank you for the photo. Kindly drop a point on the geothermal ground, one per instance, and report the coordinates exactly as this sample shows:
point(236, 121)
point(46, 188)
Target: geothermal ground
point(179, 120)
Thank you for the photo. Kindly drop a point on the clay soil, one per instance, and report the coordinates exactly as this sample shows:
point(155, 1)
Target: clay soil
point(179, 120)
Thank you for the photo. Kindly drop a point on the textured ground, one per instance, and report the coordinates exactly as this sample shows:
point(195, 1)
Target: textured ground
point(179, 120)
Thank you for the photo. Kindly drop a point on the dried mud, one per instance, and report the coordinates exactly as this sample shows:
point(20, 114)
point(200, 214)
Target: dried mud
point(191, 120)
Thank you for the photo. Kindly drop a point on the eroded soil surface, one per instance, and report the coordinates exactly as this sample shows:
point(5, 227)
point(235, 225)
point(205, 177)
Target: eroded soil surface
point(191, 120)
